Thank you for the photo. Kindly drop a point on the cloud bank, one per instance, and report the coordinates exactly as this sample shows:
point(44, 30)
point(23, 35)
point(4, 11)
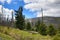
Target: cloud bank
point(50, 7)
point(6, 11)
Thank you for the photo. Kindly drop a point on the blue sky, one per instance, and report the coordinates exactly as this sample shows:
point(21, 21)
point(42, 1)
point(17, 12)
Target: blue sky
point(15, 4)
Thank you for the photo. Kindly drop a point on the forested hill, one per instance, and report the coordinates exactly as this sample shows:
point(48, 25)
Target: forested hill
point(47, 20)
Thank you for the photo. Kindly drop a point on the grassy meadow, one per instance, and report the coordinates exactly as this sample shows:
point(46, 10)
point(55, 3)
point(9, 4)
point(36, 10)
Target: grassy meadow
point(8, 33)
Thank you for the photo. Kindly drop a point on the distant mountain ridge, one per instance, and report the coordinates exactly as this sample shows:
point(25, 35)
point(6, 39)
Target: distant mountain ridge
point(46, 19)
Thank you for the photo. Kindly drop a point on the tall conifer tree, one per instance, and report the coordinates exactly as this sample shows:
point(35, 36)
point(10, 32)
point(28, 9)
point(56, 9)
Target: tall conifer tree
point(20, 21)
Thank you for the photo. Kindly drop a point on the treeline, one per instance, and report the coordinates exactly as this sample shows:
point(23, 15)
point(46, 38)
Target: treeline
point(5, 22)
point(39, 27)
point(42, 29)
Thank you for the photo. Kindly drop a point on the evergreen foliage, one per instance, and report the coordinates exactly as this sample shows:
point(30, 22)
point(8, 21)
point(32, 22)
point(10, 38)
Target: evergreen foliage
point(28, 26)
point(43, 29)
point(20, 21)
point(37, 25)
point(51, 30)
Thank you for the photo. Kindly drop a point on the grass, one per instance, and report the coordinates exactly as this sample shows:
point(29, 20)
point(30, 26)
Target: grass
point(16, 34)
point(5, 37)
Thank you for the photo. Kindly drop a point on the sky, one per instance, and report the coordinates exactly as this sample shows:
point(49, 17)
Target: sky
point(32, 8)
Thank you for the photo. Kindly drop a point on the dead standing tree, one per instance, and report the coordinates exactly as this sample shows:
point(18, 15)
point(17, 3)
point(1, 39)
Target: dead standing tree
point(12, 20)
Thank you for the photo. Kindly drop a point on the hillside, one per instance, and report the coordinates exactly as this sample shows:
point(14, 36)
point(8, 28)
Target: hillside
point(16, 34)
point(5, 37)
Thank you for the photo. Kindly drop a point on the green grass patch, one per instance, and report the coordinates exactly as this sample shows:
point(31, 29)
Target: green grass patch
point(21, 35)
point(5, 37)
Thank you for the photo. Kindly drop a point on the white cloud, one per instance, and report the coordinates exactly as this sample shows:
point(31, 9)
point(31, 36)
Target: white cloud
point(8, 1)
point(34, 6)
point(6, 11)
point(0, 9)
point(39, 1)
point(50, 12)
point(50, 7)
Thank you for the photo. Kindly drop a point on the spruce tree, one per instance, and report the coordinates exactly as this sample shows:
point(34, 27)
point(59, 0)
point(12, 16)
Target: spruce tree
point(51, 30)
point(37, 25)
point(43, 29)
point(28, 26)
point(20, 21)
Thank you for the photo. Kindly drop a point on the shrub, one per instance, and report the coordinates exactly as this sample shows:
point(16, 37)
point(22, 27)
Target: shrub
point(43, 29)
point(28, 26)
point(37, 25)
point(51, 30)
